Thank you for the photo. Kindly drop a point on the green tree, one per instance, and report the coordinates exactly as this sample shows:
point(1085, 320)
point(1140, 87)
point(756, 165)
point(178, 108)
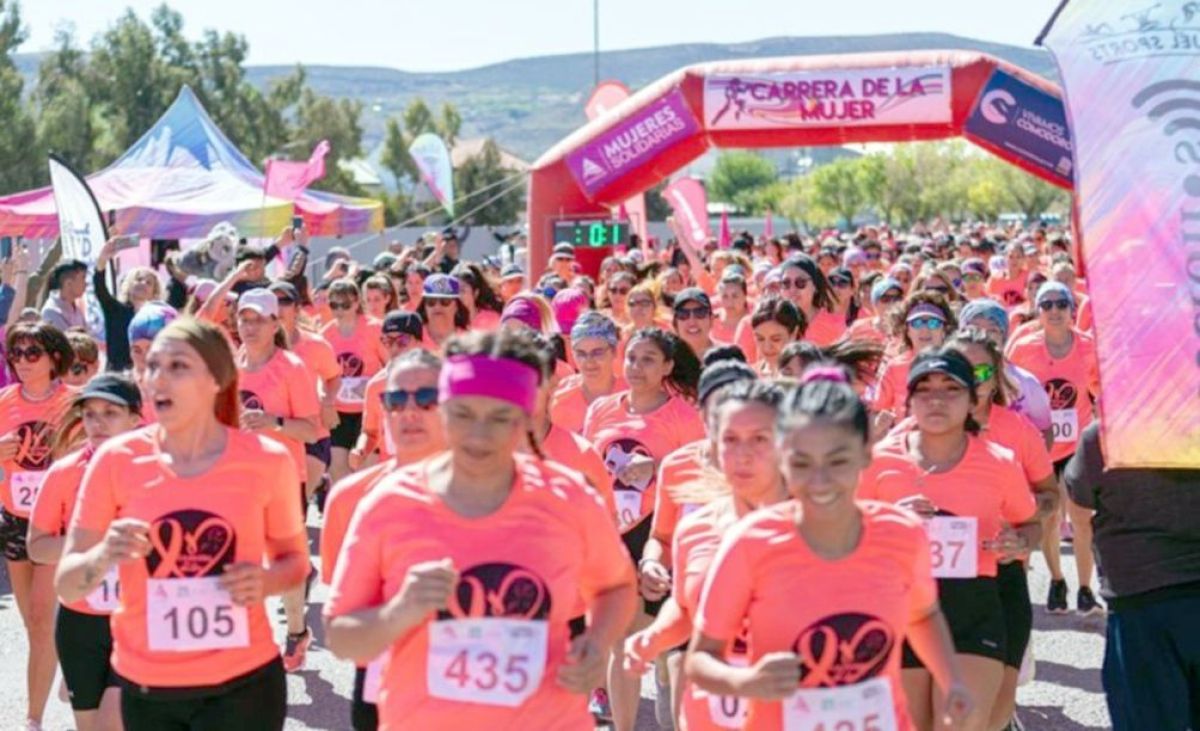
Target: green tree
point(737, 174)
point(449, 124)
point(418, 119)
point(21, 162)
point(1031, 195)
point(480, 171)
point(63, 103)
point(837, 188)
point(799, 207)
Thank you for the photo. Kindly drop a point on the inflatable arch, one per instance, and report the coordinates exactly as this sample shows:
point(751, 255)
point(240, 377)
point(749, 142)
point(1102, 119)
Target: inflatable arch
point(800, 101)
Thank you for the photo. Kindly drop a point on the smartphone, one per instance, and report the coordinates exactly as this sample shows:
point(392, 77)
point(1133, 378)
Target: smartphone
point(6, 243)
point(297, 223)
point(126, 241)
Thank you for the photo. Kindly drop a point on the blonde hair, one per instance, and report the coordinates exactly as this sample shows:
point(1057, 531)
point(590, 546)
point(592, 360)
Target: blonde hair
point(211, 344)
point(126, 284)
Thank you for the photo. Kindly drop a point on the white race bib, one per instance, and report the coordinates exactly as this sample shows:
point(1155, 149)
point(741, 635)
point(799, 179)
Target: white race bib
point(629, 508)
point(353, 390)
point(193, 614)
point(107, 596)
point(373, 679)
point(25, 489)
point(729, 711)
point(493, 661)
point(1064, 425)
point(866, 706)
point(953, 546)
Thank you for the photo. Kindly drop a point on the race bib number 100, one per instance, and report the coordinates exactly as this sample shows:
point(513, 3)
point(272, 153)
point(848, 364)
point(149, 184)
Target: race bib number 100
point(193, 614)
point(496, 662)
point(1064, 425)
point(866, 706)
point(953, 547)
point(629, 508)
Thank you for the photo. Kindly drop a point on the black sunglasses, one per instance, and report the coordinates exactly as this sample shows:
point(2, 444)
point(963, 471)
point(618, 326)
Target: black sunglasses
point(687, 313)
point(340, 305)
point(32, 354)
point(1047, 305)
point(78, 368)
point(424, 398)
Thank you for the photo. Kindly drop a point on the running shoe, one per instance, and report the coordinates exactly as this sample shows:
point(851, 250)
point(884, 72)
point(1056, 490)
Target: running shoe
point(598, 705)
point(1056, 602)
point(1086, 603)
point(296, 650)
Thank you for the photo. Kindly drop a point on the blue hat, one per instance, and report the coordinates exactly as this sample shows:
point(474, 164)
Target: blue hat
point(881, 287)
point(150, 321)
point(593, 324)
point(990, 310)
point(1058, 288)
point(441, 286)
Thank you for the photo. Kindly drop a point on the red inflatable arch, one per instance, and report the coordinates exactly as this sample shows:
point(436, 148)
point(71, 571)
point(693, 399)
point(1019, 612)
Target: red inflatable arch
point(780, 102)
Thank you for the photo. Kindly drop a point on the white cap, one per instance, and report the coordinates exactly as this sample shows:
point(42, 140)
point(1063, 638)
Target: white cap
point(262, 301)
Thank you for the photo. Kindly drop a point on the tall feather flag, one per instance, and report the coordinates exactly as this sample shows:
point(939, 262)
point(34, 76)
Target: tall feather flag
point(81, 228)
point(689, 202)
point(1132, 92)
point(433, 161)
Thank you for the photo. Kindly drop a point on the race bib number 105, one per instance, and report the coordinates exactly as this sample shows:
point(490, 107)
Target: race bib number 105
point(496, 662)
point(193, 614)
point(866, 706)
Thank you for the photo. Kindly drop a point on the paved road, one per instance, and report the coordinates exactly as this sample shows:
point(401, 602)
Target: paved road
point(1065, 696)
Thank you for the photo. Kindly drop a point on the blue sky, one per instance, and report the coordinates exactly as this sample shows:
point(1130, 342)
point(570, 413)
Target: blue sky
point(455, 34)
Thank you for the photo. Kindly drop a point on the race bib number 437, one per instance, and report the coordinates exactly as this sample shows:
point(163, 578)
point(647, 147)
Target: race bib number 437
point(493, 661)
point(193, 614)
point(953, 546)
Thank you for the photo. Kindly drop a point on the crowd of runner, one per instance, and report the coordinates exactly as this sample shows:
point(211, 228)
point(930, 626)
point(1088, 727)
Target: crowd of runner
point(797, 479)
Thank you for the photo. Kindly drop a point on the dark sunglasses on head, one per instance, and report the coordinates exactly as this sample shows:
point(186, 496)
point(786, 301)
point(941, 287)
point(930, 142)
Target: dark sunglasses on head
point(1047, 305)
point(424, 398)
point(340, 305)
point(687, 313)
point(32, 354)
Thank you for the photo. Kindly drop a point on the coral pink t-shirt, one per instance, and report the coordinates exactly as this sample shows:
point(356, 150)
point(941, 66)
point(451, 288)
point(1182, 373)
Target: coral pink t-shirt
point(549, 546)
point(620, 435)
point(891, 389)
point(568, 406)
point(318, 356)
point(678, 468)
point(373, 423)
point(573, 452)
point(282, 387)
point(343, 498)
point(35, 424)
point(199, 525)
point(360, 355)
point(987, 484)
point(847, 633)
point(1070, 383)
point(826, 328)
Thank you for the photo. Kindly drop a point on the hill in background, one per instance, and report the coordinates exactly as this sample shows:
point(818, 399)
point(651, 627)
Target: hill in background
point(529, 104)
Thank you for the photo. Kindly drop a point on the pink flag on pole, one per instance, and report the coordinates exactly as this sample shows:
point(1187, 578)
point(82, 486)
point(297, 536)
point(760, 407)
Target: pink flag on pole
point(769, 226)
point(689, 201)
point(725, 239)
point(287, 179)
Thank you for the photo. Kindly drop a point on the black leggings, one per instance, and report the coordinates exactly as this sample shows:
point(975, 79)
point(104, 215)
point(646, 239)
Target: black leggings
point(363, 716)
point(256, 701)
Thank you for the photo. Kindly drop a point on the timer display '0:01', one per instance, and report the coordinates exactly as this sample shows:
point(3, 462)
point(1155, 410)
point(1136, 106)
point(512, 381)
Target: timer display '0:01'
point(592, 234)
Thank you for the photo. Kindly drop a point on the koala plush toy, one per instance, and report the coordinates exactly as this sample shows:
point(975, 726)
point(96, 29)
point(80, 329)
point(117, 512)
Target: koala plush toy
point(213, 257)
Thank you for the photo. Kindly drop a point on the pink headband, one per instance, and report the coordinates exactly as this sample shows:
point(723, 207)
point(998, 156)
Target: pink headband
point(503, 379)
point(824, 373)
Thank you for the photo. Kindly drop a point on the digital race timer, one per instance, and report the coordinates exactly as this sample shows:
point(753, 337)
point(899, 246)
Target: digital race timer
point(592, 234)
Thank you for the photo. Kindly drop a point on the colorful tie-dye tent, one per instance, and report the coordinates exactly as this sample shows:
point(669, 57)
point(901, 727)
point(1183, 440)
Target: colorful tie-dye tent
point(182, 178)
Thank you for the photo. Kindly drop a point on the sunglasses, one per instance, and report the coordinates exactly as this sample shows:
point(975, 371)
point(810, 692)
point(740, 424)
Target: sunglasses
point(336, 305)
point(32, 354)
point(285, 301)
point(984, 372)
point(619, 291)
point(1047, 305)
point(687, 313)
point(424, 398)
point(798, 283)
point(972, 277)
point(641, 303)
point(874, 256)
point(401, 340)
point(839, 282)
point(78, 368)
point(890, 299)
point(438, 302)
point(927, 323)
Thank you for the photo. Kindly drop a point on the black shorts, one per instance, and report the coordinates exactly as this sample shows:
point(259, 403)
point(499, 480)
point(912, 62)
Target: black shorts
point(976, 617)
point(1060, 467)
point(363, 716)
point(256, 701)
point(345, 434)
point(13, 530)
point(635, 540)
point(1012, 582)
point(322, 450)
point(84, 643)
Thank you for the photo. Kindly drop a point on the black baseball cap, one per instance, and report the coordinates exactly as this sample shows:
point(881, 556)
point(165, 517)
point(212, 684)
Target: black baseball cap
point(691, 294)
point(287, 289)
point(397, 322)
point(721, 374)
point(114, 389)
point(947, 361)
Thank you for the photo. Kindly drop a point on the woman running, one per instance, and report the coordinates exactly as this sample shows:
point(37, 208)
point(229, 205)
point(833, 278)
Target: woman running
point(379, 297)
point(107, 406)
point(734, 306)
point(505, 548)
point(399, 333)
point(197, 554)
point(634, 430)
point(594, 341)
point(885, 293)
point(776, 322)
point(412, 433)
point(742, 417)
point(803, 282)
point(924, 321)
point(31, 411)
point(692, 319)
point(355, 340)
point(825, 587)
point(482, 303)
point(979, 510)
point(442, 310)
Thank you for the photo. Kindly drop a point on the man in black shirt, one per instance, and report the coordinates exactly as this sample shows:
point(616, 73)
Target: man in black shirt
point(1147, 535)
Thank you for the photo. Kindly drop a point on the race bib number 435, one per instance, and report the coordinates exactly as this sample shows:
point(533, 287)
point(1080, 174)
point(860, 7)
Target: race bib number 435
point(866, 706)
point(193, 614)
point(493, 661)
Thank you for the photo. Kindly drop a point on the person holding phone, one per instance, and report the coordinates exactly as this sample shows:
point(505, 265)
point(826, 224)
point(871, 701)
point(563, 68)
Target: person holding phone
point(137, 287)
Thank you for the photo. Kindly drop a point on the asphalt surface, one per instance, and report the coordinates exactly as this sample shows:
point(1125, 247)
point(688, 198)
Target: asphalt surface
point(1065, 695)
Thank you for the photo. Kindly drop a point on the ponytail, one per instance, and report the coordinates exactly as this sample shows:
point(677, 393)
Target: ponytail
point(824, 393)
point(684, 377)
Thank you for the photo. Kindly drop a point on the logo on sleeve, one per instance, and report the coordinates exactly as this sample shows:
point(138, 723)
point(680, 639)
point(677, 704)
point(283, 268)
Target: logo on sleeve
point(498, 590)
point(33, 445)
point(190, 544)
point(843, 649)
point(352, 365)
